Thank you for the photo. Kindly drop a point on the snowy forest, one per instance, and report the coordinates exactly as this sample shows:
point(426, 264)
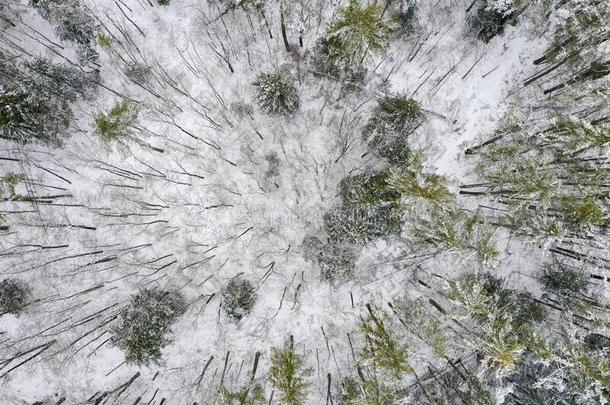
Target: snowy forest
point(295, 202)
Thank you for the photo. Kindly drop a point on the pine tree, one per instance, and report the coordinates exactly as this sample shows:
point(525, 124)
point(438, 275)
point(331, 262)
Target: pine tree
point(561, 278)
point(144, 324)
point(35, 100)
point(238, 298)
point(118, 123)
point(383, 348)
point(251, 393)
point(276, 95)
point(14, 296)
point(392, 120)
point(358, 31)
point(288, 374)
point(72, 22)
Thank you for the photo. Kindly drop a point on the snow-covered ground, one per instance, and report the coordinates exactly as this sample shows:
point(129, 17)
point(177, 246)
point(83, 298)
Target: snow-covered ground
point(204, 210)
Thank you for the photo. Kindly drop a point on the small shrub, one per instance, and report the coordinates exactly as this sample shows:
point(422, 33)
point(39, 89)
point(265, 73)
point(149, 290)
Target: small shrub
point(273, 165)
point(118, 123)
point(288, 374)
point(8, 187)
point(312, 246)
point(144, 324)
point(276, 95)
point(163, 2)
point(238, 298)
point(14, 296)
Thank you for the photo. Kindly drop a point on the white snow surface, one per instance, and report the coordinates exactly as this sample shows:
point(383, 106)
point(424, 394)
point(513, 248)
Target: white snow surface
point(195, 216)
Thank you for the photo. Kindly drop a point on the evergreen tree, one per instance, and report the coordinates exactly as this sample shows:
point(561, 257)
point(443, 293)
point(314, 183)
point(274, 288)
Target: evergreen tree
point(361, 224)
point(276, 95)
point(358, 31)
point(383, 348)
point(404, 13)
point(118, 123)
point(35, 100)
point(492, 17)
point(72, 23)
point(392, 121)
point(288, 374)
point(251, 393)
point(562, 278)
point(337, 261)
point(372, 391)
point(238, 298)
point(144, 324)
point(14, 296)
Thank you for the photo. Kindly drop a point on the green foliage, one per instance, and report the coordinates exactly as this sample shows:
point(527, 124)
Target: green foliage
point(326, 63)
point(395, 184)
point(448, 228)
point(572, 133)
point(250, 393)
point(397, 152)
point(276, 95)
point(412, 183)
point(369, 392)
point(14, 296)
point(118, 123)
point(421, 323)
point(383, 348)
point(367, 189)
point(8, 186)
point(105, 41)
point(163, 2)
point(561, 278)
point(361, 224)
point(579, 34)
point(558, 204)
point(506, 319)
point(358, 30)
point(288, 374)
point(145, 323)
point(392, 121)
point(238, 298)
